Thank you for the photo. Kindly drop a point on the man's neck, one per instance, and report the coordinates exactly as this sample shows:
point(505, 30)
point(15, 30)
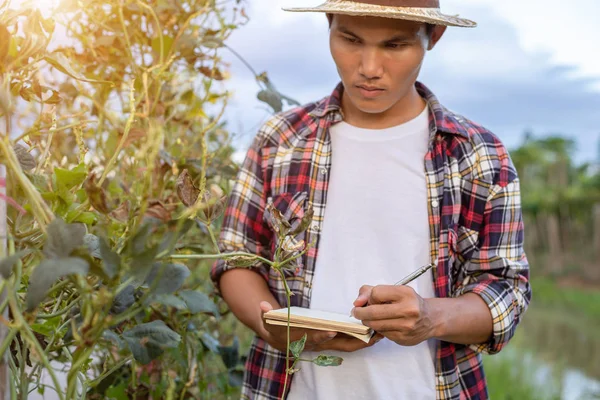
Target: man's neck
point(406, 109)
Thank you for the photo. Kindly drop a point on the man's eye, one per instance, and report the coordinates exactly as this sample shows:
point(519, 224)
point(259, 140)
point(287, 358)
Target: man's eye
point(351, 40)
point(394, 45)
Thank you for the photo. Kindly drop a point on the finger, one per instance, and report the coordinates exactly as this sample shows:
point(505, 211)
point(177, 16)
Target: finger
point(265, 307)
point(363, 296)
point(388, 293)
point(319, 338)
point(378, 312)
point(387, 325)
point(348, 344)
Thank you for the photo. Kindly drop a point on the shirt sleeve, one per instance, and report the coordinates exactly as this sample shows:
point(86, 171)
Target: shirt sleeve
point(243, 228)
point(498, 270)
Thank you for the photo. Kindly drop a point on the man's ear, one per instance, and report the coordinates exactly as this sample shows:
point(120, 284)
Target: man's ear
point(435, 36)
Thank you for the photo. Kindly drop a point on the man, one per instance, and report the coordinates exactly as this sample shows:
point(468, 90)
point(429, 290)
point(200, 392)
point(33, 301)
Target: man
point(396, 181)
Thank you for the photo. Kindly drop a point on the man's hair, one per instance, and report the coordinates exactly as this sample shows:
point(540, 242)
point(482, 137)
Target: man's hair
point(428, 27)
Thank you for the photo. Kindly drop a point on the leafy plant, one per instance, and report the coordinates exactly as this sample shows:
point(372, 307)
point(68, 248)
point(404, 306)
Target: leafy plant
point(118, 165)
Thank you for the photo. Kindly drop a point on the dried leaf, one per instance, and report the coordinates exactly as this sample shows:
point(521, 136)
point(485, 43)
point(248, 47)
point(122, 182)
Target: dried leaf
point(96, 195)
point(156, 209)
point(242, 261)
point(187, 192)
point(121, 213)
point(305, 223)
point(135, 134)
point(279, 223)
point(211, 73)
point(25, 158)
point(62, 63)
point(327, 361)
point(215, 202)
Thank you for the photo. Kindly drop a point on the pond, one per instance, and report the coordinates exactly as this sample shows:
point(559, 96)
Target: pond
point(554, 355)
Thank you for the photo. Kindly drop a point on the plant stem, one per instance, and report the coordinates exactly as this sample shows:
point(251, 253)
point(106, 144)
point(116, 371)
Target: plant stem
point(125, 133)
point(7, 341)
point(98, 380)
point(288, 295)
point(80, 357)
point(16, 312)
point(211, 256)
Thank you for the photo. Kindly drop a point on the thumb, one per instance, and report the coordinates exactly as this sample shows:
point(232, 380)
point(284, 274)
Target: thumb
point(363, 296)
point(265, 307)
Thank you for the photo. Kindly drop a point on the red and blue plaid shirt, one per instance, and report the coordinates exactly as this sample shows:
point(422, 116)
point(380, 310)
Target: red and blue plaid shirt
point(475, 222)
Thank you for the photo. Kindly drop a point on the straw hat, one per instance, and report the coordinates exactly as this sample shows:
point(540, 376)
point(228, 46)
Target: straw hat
point(427, 11)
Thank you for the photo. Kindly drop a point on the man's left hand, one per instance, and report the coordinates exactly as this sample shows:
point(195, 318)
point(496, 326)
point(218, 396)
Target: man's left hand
point(396, 312)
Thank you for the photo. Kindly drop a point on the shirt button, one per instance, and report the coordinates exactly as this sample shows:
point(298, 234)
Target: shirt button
point(440, 379)
point(316, 226)
point(323, 171)
point(435, 204)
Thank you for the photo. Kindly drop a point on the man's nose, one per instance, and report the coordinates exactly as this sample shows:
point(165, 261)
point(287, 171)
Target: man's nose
point(371, 66)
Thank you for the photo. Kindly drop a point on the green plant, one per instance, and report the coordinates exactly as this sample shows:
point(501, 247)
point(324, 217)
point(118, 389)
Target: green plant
point(116, 172)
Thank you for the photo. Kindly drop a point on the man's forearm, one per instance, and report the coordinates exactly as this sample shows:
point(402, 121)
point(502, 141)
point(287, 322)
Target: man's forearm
point(463, 320)
point(243, 290)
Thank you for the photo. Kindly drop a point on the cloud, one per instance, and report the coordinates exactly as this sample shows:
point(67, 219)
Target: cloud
point(486, 74)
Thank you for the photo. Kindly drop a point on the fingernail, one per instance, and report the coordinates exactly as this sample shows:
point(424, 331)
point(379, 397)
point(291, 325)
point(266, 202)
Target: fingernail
point(331, 335)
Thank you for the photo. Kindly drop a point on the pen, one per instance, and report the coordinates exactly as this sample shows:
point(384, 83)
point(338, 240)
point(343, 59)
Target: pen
point(411, 277)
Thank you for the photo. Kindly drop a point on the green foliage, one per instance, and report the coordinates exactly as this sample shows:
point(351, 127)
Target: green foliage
point(118, 166)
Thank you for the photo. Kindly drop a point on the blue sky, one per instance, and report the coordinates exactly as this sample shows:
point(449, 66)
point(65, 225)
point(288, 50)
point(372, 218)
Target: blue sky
point(530, 66)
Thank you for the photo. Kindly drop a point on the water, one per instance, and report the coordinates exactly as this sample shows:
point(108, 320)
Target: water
point(557, 353)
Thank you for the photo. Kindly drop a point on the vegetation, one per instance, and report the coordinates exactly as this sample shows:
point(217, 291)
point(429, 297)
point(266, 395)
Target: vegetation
point(118, 166)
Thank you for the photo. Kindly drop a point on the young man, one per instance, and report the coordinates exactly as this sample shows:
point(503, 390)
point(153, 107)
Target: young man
point(396, 181)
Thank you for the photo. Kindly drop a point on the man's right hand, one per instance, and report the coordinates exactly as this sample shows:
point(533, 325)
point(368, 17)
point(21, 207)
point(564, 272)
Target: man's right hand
point(276, 336)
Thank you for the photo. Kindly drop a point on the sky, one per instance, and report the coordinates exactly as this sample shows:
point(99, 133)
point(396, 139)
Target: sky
point(529, 65)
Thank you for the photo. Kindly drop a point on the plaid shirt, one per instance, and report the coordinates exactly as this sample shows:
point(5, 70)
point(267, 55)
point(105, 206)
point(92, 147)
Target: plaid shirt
point(475, 222)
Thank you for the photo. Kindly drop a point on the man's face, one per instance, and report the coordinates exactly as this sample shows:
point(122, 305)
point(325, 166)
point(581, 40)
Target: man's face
point(378, 59)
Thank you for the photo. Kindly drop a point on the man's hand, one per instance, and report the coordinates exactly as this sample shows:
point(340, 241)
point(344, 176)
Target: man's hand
point(396, 312)
point(276, 336)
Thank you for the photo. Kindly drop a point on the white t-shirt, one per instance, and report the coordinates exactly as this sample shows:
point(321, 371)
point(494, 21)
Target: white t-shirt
point(375, 231)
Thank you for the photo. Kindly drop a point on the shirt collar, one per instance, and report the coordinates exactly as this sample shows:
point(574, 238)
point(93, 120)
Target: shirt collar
point(440, 117)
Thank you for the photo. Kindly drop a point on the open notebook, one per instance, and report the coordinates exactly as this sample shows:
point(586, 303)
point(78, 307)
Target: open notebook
point(320, 320)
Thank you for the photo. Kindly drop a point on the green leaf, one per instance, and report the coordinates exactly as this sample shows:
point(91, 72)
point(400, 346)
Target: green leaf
point(111, 261)
point(167, 44)
point(25, 158)
point(142, 264)
point(230, 354)
point(328, 361)
point(5, 38)
point(210, 342)
point(61, 63)
point(123, 300)
point(272, 98)
point(48, 272)
point(70, 178)
point(63, 238)
point(113, 338)
point(148, 341)
point(7, 264)
point(197, 302)
point(137, 243)
point(87, 217)
point(48, 327)
point(169, 300)
point(298, 346)
point(168, 278)
point(236, 378)
point(212, 42)
point(92, 242)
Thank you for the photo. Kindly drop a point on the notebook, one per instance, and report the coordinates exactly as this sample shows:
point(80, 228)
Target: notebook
point(320, 320)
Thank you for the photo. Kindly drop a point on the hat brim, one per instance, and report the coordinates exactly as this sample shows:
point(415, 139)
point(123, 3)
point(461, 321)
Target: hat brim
point(425, 15)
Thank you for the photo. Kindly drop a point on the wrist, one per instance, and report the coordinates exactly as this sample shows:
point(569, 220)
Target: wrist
point(437, 318)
